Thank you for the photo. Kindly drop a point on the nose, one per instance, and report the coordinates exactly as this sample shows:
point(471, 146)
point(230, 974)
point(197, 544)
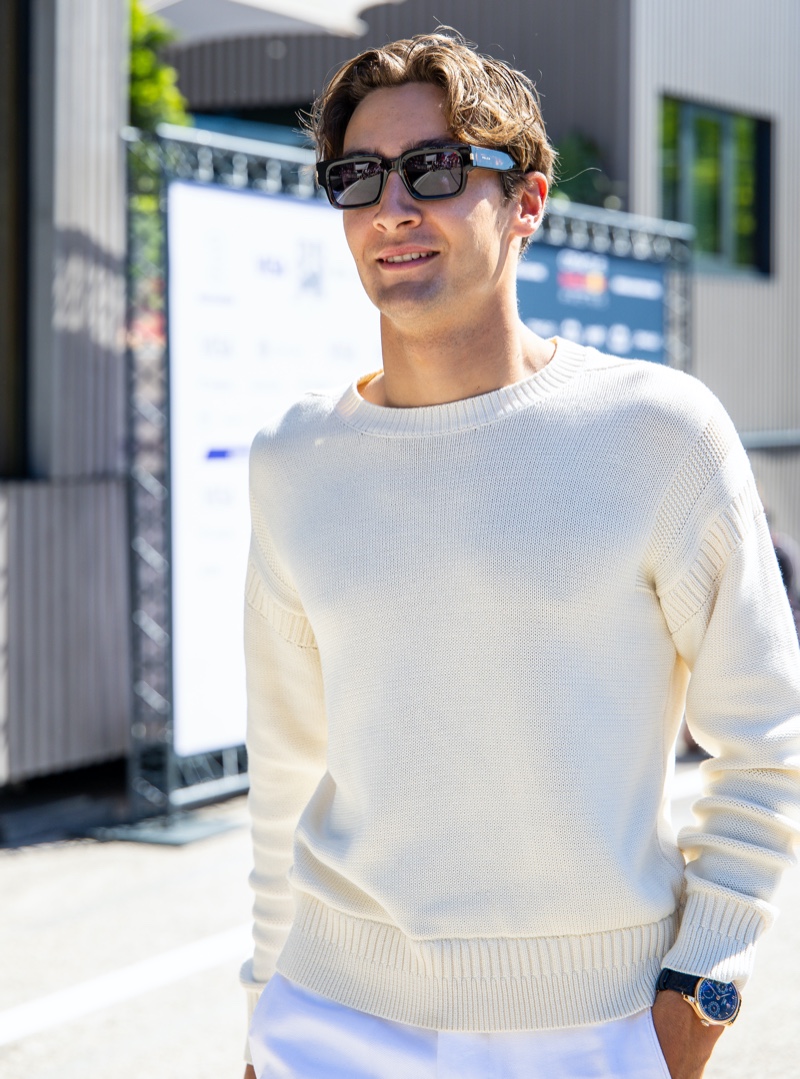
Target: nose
point(396, 208)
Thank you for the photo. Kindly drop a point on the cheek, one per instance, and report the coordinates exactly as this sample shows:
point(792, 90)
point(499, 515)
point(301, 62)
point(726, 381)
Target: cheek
point(354, 233)
point(495, 232)
point(487, 219)
point(485, 237)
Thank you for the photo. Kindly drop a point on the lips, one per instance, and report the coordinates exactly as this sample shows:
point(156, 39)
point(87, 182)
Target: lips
point(405, 256)
point(412, 257)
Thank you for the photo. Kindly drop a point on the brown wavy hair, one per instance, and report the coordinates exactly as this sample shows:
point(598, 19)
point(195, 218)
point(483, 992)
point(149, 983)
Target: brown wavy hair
point(487, 103)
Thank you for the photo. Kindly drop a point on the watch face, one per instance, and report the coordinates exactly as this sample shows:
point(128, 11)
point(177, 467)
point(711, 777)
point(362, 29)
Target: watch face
point(719, 1001)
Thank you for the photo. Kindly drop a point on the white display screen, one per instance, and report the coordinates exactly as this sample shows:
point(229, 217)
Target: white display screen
point(264, 304)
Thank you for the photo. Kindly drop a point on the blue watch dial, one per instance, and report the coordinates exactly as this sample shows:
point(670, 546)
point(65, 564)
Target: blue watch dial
point(719, 1001)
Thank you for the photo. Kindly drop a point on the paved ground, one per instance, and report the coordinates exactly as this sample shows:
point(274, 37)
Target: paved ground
point(95, 939)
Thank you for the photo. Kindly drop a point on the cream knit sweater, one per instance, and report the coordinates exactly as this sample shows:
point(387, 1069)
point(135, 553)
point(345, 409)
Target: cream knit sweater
point(470, 630)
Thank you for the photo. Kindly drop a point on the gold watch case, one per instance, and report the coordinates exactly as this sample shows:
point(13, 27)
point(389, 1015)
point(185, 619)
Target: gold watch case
point(716, 1004)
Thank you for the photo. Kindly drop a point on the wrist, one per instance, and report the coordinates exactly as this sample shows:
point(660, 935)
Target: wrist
point(716, 1004)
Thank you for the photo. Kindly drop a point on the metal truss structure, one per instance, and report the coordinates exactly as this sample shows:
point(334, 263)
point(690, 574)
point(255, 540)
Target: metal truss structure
point(161, 782)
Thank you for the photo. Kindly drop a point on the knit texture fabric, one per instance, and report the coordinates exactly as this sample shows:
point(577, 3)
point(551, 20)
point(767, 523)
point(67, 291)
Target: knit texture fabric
point(471, 633)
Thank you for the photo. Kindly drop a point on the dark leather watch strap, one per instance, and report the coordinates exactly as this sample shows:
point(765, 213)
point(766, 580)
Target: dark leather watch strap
point(676, 979)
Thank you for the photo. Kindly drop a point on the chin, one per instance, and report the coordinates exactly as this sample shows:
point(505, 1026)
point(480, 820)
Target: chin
point(404, 301)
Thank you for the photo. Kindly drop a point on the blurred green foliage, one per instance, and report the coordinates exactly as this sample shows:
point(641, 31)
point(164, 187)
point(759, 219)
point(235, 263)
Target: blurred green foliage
point(154, 94)
point(581, 175)
point(154, 99)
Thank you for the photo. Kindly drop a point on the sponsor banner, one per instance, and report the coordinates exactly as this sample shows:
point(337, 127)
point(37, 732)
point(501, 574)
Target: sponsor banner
point(264, 304)
point(613, 304)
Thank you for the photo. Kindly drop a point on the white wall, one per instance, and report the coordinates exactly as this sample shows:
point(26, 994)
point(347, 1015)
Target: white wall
point(737, 56)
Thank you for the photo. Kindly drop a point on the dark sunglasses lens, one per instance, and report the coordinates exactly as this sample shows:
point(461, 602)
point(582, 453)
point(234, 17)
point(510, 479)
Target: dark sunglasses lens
point(355, 183)
point(434, 174)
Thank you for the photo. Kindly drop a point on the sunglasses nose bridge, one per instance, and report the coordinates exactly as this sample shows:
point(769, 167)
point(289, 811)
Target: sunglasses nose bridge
point(390, 167)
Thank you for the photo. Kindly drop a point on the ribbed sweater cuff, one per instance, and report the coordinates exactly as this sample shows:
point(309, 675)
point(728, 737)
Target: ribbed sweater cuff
point(717, 938)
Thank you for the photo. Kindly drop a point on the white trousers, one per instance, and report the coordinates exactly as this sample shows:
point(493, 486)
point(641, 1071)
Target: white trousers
point(297, 1034)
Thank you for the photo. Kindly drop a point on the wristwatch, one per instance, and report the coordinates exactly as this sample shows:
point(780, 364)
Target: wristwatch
point(716, 1003)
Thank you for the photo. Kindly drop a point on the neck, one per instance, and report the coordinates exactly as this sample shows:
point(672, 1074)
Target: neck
point(460, 360)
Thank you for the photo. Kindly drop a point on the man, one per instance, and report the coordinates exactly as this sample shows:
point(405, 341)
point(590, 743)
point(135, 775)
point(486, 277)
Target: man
point(479, 581)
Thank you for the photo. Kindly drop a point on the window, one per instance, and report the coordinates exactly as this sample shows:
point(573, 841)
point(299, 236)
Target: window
point(715, 175)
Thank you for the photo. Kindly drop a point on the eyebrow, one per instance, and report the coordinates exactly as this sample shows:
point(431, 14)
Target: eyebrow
point(436, 144)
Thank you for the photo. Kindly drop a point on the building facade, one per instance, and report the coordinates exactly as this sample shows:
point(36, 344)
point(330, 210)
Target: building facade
point(693, 106)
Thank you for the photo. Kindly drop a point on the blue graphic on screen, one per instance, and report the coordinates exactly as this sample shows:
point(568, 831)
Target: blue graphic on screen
point(613, 304)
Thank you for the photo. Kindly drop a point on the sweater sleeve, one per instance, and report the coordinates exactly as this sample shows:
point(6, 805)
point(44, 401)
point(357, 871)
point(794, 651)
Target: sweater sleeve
point(723, 599)
point(286, 742)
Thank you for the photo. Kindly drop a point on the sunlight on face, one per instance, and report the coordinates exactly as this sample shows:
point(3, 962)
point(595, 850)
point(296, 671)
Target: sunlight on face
point(462, 242)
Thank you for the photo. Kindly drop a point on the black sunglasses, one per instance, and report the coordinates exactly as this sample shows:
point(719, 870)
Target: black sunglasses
point(432, 172)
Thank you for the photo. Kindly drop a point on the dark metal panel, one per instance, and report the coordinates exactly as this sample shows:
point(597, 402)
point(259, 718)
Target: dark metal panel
point(13, 238)
point(79, 105)
point(4, 664)
point(65, 611)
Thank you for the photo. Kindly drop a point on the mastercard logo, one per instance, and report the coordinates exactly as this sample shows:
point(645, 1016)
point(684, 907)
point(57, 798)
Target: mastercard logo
point(594, 283)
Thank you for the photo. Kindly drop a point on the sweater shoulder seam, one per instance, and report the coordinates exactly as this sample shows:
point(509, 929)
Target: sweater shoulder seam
point(288, 620)
point(683, 598)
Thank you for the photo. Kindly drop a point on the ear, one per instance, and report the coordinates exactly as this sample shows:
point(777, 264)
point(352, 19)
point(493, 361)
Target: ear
point(530, 206)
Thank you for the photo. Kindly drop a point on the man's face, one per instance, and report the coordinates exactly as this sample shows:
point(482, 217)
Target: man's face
point(463, 241)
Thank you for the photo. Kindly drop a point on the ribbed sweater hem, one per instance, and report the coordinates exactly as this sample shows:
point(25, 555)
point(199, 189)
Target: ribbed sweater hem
point(475, 984)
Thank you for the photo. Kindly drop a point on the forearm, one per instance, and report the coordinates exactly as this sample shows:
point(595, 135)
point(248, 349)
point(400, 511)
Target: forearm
point(685, 1042)
point(286, 743)
point(743, 705)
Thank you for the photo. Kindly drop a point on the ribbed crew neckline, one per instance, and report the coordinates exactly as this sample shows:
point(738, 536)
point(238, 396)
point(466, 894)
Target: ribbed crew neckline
point(471, 412)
